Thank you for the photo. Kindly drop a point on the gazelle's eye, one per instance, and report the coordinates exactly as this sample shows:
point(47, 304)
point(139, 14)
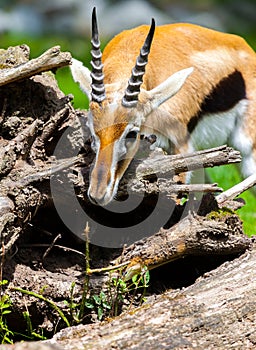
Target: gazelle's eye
point(130, 138)
point(131, 135)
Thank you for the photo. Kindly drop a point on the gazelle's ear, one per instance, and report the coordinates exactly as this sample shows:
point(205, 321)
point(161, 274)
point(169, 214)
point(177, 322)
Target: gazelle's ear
point(168, 88)
point(81, 75)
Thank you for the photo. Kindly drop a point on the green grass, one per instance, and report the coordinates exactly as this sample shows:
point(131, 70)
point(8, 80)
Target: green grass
point(68, 86)
point(227, 176)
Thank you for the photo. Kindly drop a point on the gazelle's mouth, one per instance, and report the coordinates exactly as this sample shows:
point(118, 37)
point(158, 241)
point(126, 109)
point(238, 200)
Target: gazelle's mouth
point(102, 199)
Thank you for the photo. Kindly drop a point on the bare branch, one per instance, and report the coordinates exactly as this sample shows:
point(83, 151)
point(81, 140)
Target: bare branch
point(234, 191)
point(168, 187)
point(177, 164)
point(45, 173)
point(52, 58)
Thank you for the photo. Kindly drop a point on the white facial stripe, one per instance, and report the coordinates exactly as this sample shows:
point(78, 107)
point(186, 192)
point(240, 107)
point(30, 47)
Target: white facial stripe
point(95, 140)
point(119, 149)
point(119, 153)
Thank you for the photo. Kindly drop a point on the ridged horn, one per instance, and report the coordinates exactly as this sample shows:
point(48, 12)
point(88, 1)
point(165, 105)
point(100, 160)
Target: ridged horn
point(132, 91)
point(98, 90)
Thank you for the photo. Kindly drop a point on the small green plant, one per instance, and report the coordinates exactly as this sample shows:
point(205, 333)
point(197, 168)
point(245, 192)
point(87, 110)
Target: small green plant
point(74, 308)
point(121, 290)
point(6, 335)
point(96, 302)
point(31, 333)
point(51, 303)
point(100, 304)
point(108, 302)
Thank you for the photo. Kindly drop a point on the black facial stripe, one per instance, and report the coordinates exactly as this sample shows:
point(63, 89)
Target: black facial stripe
point(226, 94)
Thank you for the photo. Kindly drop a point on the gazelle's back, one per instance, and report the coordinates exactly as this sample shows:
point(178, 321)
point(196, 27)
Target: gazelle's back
point(175, 46)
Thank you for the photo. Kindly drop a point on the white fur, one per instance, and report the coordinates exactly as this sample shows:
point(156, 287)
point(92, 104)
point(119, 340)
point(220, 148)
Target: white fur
point(225, 128)
point(217, 129)
point(81, 75)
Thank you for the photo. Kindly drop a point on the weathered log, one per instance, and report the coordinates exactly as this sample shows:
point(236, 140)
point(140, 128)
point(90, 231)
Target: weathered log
point(219, 233)
point(176, 164)
point(32, 109)
point(216, 312)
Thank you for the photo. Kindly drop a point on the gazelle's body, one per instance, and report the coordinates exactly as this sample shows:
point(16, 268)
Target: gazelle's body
point(186, 108)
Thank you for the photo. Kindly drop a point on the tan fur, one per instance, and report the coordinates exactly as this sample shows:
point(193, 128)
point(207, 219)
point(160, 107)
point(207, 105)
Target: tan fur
point(107, 123)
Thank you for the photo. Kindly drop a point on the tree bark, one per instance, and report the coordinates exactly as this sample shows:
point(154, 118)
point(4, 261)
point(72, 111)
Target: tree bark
point(29, 105)
point(216, 312)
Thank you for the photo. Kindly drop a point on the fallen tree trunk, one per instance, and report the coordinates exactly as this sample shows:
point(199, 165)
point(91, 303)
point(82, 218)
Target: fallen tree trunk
point(216, 312)
point(193, 235)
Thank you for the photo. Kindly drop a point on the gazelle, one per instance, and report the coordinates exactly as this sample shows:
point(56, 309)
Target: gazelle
point(193, 87)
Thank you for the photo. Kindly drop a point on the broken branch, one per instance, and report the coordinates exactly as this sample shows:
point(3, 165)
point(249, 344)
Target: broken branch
point(234, 191)
point(52, 58)
point(177, 164)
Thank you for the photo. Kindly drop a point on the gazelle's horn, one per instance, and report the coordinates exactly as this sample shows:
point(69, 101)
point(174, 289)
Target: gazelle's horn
point(98, 89)
point(132, 91)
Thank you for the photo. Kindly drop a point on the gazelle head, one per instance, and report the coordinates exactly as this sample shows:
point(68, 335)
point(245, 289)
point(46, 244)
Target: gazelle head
point(117, 112)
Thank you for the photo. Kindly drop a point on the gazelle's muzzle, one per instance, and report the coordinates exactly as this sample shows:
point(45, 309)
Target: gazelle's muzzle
point(102, 178)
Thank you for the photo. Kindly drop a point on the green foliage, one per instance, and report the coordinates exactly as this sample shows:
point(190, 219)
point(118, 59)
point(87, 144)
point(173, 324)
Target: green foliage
point(31, 333)
point(68, 86)
point(6, 335)
point(227, 176)
point(108, 302)
point(100, 303)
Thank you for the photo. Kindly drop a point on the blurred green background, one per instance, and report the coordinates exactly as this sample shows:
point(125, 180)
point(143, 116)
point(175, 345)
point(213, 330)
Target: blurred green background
point(43, 24)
